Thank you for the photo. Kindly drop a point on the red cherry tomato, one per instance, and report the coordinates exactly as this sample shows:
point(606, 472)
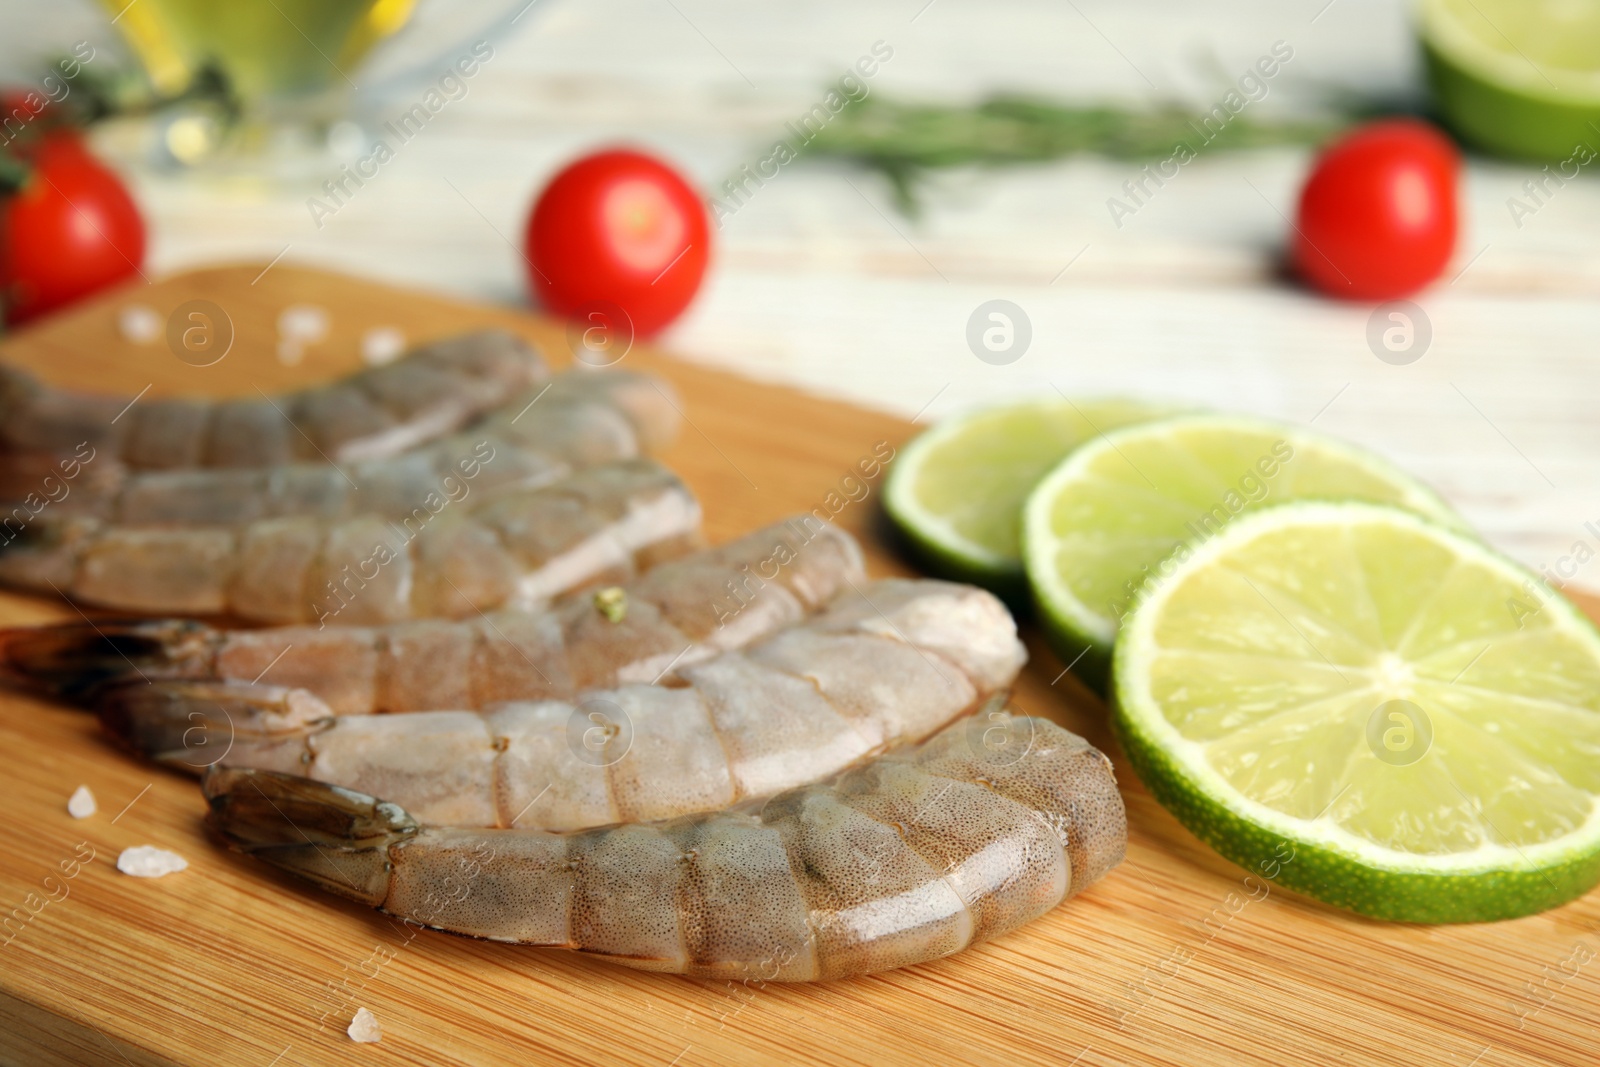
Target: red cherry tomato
point(71, 230)
point(618, 228)
point(1377, 217)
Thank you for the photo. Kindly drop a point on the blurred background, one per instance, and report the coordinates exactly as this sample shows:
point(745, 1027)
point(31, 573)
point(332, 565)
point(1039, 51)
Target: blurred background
point(228, 124)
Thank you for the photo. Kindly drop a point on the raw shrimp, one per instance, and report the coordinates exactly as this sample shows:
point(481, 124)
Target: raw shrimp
point(673, 616)
point(882, 666)
point(449, 559)
point(431, 391)
point(579, 419)
point(909, 858)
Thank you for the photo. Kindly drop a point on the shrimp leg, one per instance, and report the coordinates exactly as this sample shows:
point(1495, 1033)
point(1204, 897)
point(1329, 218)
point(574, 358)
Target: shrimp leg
point(906, 859)
point(447, 558)
point(433, 390)
point(674, 616)
point(883, 666)
point(579, 419)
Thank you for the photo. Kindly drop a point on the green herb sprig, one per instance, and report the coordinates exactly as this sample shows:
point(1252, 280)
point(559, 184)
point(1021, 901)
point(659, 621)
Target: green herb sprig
point(905, 142)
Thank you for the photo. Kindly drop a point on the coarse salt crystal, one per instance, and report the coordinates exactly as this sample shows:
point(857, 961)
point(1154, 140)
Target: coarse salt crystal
point(364, 1027)
point(147, 861)
point(139, 323)
point(81, 805)
point(303, 322)
point(382, 344)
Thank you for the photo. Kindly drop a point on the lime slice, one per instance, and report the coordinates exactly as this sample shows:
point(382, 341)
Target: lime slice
point(1517, 77)
point(956, 492)
point(1359, 704)
point(1117, 508)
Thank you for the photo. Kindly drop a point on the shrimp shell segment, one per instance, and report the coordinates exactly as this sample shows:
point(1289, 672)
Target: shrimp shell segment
point(582, 418)
point(884, 665)
point(448, 558)
point(433, 390)
point(675, 615)
point(906, 859)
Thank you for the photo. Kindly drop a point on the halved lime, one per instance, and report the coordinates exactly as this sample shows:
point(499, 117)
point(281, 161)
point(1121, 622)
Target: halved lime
point(1517, 77)
point(957, 490)
point(1116, 509)
point(1357, 703)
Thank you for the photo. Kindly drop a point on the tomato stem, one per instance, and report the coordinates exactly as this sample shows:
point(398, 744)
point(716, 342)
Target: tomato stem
point(14, 174)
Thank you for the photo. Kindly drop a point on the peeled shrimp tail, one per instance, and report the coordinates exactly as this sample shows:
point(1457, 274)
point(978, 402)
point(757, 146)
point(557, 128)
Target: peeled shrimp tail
point(886, 665)
point(431, 391)
point(675, 615)
point(448, 558)
point(909, 858)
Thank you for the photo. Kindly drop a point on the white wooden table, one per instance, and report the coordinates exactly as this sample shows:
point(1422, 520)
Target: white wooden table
point(817, 280)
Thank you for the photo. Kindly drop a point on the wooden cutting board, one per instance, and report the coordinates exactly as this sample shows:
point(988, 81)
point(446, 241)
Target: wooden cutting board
point(1173, 959)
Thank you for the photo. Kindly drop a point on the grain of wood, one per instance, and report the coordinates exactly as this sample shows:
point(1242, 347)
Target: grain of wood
point(1169, 961)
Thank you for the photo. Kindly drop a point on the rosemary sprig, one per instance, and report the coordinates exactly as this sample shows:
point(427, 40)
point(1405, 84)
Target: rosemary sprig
point(94, 95)
point(905, 141)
